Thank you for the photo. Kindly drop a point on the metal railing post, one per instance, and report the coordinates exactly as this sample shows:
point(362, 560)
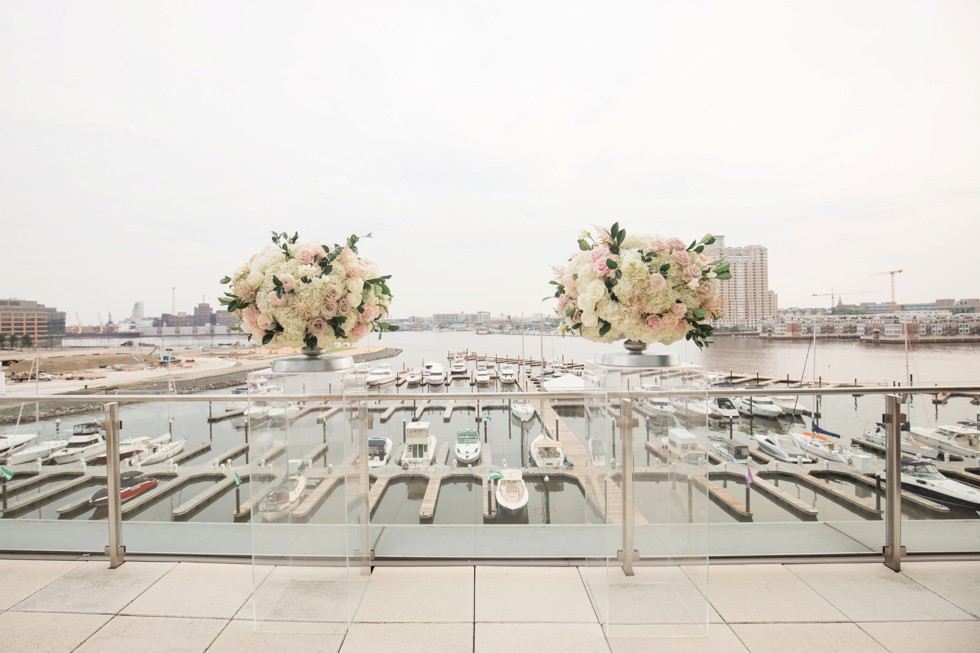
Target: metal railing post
point(115, 550)
point(363, 484)
point(893, 418)
point(626, 424)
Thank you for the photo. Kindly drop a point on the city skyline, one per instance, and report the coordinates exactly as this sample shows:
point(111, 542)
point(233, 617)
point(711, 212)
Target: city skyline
point(151, 147)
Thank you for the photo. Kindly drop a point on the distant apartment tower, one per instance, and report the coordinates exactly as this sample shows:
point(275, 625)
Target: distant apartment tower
point(20, 317)
point(747, 298)
point(137, 312)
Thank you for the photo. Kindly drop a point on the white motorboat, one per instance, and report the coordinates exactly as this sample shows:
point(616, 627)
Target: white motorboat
point(128, 448)
point(731, 450)
point(511, 490)
point(546, 452)
point(86, 441)
point(791, 405)
point(691, 408)
point(660, 406)
point(522, 410)
point(163, 448)
point(507, 375)
point(283, 411)
point(420, 446)
point(379, 376)
point(722, 407)
point(757, 407)
point(413, 377)
point(597, 451)
point(921, 477)
point(41, 451)
point(437, 375)
point(379, 451)
point(821, 446)
point(957, 439)
point(878, 434)
point(468, 447)
point(282, 499)
point(782, 447)
point(14, 441)
point(482, 375)
point(458, 367)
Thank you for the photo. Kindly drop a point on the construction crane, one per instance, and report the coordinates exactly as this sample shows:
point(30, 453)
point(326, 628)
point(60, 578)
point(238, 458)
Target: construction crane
point(892, 273)
point(840, 296)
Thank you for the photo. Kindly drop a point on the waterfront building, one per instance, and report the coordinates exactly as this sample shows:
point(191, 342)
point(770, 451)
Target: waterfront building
point(746, 296)
point(897, 328)
point(19, 317)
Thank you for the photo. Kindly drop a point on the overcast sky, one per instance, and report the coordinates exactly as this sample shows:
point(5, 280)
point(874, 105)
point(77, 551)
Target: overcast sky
point(151, 145)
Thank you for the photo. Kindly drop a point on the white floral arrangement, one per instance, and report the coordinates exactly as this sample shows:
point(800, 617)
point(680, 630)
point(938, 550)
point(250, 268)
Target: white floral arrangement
point(308, 295)
point(642, 288)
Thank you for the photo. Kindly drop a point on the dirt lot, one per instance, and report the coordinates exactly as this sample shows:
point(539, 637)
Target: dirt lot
point(77, 362)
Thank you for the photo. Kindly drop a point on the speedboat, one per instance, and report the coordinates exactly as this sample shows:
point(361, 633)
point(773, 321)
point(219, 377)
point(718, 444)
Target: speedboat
point(86, 441)
point(957, 439)
point(722, 407)
point(468, 447)
point(413, 377)
point(162, 448)
point(14, 441)
point(522, 410)
point(878, 434)
point(730, 450)
point(41, 451)
point(511, 490)
point(822, 446)
point(782, 447)
point(379, 451)
point(420, 446)
point(691, 408)
point(458, 367)
point(131, 484)
point(379, 376)
point(436, 376)
point(921, 477)
point(660, 406)
point(757, 407)
point(282, 499)
point(546, 452)
point(597, 451)
point(482, 376)
point(507, 375)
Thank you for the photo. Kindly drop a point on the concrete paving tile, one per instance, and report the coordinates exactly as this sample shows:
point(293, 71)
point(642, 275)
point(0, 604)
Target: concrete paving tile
point(197, 589)
point(532, 594)
point(538, 637)
point(806, 638)
point(872, 592)
point(34, 632)
point(409, 638)
point(418, 595)
point(93, 587)
point(653, 595)
point(153, 635)
point(917, 637)
point(241, 637)
point(720, 639)
point(327, 596)
point(21, 578)
point(766, 594)
point(957, 582)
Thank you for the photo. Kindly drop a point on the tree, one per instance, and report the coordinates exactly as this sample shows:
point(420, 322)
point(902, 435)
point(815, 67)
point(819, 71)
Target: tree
point(26, 341)
point(3, 340)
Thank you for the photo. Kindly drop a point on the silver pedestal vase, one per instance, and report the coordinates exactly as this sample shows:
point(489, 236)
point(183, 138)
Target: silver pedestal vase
point(634, 357)
point(311, 361)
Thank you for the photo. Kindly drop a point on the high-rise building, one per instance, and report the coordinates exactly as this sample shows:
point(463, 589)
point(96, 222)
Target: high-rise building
point(137, 312)
point(21, 317)
point(202, 314)
point(747, 298)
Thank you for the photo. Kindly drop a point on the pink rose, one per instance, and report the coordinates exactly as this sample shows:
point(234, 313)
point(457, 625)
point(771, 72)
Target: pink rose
point(705, 290)
point(657, 245)
point(358, 332)
point(600, 268)
point(288, 282)
point(333, 291)
point(657, 282)
point(309, 254)
point(653, 322)
point(328, 309)
point(670, 321)
point(680, 310)
point(370, 313)
point(676, 244)
point(247, 294)
point(343, 306)
point(681, 258)
point(249, 315)
point(265, 322)
point(681, 327)
point(692, 272)
point(276, 300)
point(317, 326)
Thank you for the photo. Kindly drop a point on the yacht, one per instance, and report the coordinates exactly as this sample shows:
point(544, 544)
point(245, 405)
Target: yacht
point(660, 406)
point(86, 441)
point(691, 408)
point(458, 367)
point(282, 499)
point(522, 409)
point(730, 450)
point(420, 446)
point(283, 411)
point(546, 452)
point(482, 376)
point(791, 405)
point(878, 434)
point(722, 407)
point(437, 375)
point(821, 446)
point(511, 490)
point(921, 477)
point(379, 451)
point(507, 375)
point(782, 448)
point(379, 376)
point(41, 451)
point(14, 441)
point(162, 448)
point(468, 447)
point(413, 377)
point(757, 407)
point(957, 439)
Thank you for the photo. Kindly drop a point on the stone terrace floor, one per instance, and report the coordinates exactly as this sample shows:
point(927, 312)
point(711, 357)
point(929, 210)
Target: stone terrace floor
point(47, 606)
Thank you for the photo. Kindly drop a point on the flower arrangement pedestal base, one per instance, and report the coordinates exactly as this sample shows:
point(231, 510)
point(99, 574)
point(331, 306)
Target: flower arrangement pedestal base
point(308, 363)
point(634, 357)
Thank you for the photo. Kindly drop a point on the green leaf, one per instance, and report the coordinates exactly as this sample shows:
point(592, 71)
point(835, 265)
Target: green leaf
point(604, 329)
point(698, 313)
point(267, 338)
point(664, 269)
point(611, 264)
point(582, 245)
point(691, 246)
point(225, 280)
point(708, 240)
